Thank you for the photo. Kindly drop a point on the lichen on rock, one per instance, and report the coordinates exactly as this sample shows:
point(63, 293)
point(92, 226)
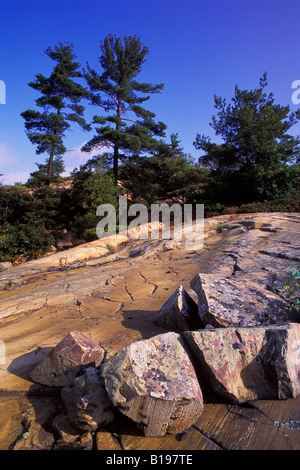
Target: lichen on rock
point(153, 382)
point(244, 364)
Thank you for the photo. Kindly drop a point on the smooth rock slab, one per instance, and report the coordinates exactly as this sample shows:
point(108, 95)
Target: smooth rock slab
point(153, 382)
point(224, 302)
point(86, 402)
point(74, 353)
point(179, 312)
point(249, 363)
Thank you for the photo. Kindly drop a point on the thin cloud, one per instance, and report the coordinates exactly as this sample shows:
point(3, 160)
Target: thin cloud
point(14, 177)
point(7, 157)
point(8, 161)
point(75, 158)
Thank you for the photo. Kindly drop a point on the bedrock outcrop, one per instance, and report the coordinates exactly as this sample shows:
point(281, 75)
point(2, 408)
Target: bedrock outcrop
point(111, 298)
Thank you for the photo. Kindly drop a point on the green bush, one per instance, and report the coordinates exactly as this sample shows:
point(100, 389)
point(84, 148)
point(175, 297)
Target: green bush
point(158, 177)
point(91, 188)
point(24, 242)
point(288, 204)
point(292, 288)
point(220, 228)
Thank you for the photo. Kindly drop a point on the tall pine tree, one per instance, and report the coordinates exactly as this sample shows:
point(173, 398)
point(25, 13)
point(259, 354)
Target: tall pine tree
point(60, 98)
point(254, 161)
point(127, 128)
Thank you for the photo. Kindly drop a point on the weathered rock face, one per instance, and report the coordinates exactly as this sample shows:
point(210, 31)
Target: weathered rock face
point(36, 432)
point(225, 302)
point(5, 265)
point(74, 353)
point(87, 404)
point(154, 383)
point(64, 429)
point(37, 439)
point(250, 363)
point(179, 312)
point(45, 297)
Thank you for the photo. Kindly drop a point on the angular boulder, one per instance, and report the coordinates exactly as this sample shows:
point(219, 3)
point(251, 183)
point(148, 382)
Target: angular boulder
point(37, 438)
point(153, 382)
point(86, 403)
point(179, 312)
point(69, 357)
point(224, 302)
point(249, 363)
point(65, 431)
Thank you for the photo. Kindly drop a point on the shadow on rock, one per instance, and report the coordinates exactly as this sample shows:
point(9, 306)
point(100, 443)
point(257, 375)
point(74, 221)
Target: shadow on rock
point(22, 365)
point(142, 321)
point(43, 404)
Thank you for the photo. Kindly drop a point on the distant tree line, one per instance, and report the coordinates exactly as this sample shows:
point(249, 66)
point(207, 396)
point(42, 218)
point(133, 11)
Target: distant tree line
point(255, 168)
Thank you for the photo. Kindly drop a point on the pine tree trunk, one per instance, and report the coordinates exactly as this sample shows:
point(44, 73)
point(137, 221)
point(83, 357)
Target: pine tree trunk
point(116, 164)
point(116, 147)
point(50, 163)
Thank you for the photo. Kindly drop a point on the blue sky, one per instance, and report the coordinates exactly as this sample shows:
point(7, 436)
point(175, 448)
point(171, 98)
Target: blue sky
point(196, 48)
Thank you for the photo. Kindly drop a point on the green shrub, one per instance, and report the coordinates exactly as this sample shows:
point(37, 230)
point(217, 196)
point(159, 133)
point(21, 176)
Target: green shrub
point(289, 204)
point(24, 242)
point(292, 289)
point(91, 188)
point(220, 228)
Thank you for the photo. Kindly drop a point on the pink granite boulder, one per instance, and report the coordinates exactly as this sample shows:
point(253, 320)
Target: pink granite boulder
point(244, 364)
point(86, 403)
point(224, 302)
point(68, 359)
point(153, 382)
point(179, 312)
